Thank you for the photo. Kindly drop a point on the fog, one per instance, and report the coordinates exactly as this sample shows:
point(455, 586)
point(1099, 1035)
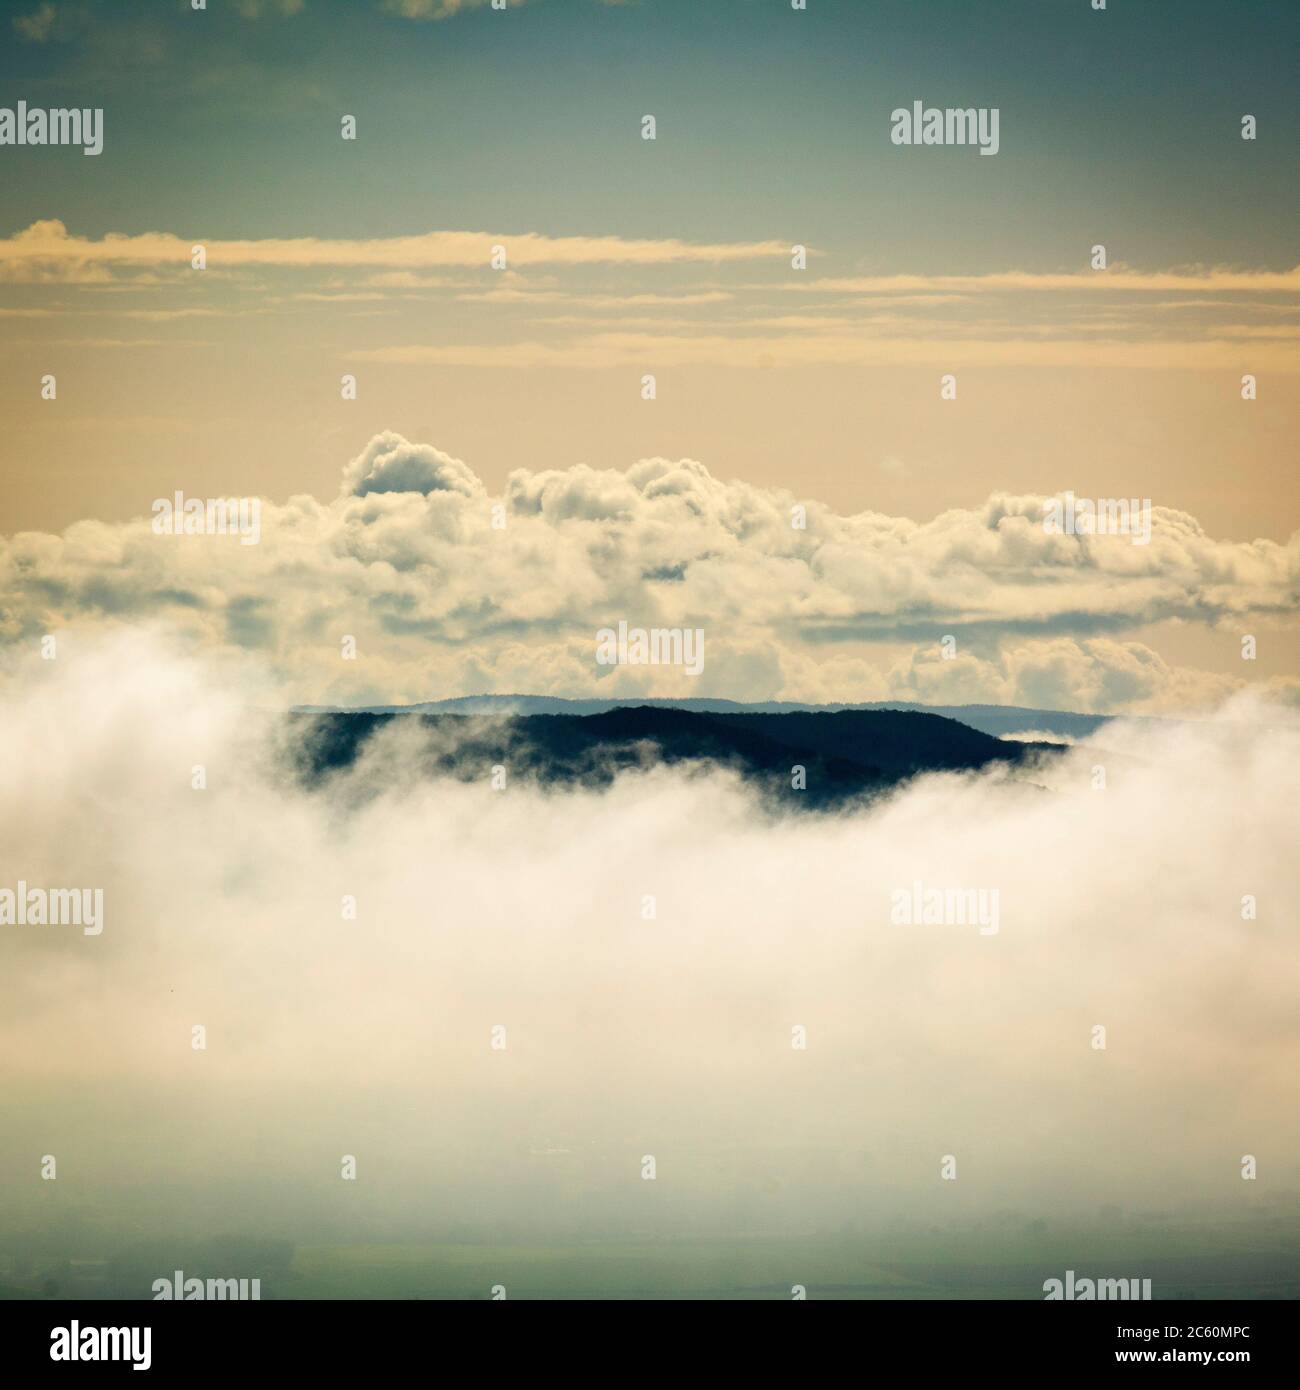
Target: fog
point(625, 1037)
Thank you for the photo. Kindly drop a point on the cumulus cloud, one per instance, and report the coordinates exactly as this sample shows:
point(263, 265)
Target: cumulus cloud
point(475, 908)
point(390, 463)
point(450, 590)
point(1093, 674)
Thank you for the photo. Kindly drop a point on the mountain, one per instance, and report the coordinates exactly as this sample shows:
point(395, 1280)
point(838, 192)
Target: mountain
point(996, 720)
point(846, 753)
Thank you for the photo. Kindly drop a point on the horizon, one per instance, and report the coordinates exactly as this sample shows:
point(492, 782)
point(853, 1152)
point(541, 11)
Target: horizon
point(652, 700)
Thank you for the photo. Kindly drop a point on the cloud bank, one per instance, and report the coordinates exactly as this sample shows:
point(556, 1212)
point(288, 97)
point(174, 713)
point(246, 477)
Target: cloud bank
point(447, 590)
point(625, 1036)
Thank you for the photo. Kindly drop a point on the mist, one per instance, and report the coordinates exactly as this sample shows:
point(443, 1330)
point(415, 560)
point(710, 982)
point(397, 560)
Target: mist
point(625, 1036)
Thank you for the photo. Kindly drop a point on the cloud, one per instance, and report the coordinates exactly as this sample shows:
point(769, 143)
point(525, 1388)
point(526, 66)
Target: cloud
point(1004, 318)
point(255, 9)
point(1118, 279)
point(48, 245)
point(625, 1036)
point(38, 26)
point(867, 347)
point(449, 588)
point(1096, 673)
point(439, 9)
point(390, 463)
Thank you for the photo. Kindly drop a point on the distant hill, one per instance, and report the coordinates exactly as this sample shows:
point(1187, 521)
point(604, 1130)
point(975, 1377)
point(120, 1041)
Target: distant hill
point(847, 753)
point(990, 719)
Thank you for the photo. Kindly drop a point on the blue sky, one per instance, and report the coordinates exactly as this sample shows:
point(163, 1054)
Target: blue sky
point(771, 123)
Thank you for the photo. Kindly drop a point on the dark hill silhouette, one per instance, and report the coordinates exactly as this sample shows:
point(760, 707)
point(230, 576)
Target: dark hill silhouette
point(846, 753)
point(990, 719)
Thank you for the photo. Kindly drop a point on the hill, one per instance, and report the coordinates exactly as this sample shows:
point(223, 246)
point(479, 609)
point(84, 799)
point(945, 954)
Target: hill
point(845, 753)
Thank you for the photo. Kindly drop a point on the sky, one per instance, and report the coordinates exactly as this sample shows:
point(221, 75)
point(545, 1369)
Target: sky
point(841, 480)
point(672, 257)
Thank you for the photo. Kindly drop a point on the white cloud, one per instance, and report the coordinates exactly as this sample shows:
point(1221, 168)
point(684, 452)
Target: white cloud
point(390, 463)
point(48, 247)
point(407, 559)
point(627, 1037)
